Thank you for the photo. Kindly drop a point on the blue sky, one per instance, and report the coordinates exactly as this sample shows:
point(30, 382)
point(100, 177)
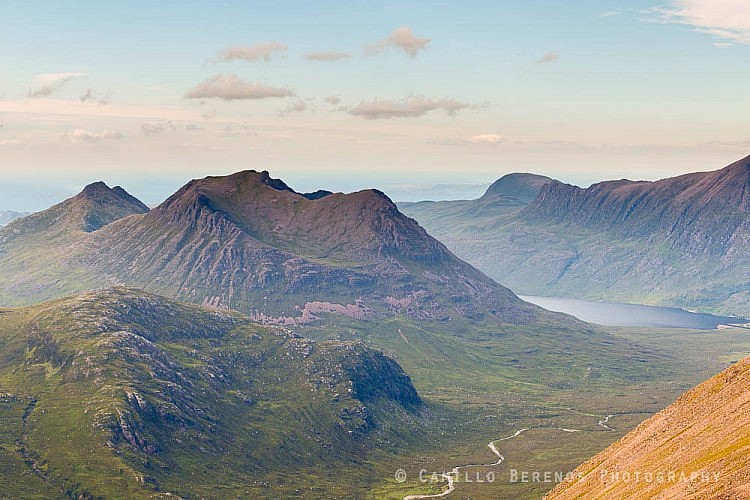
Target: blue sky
point(410, 97)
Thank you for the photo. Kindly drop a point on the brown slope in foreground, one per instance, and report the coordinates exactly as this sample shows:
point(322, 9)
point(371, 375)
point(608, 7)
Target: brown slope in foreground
point(698, 447)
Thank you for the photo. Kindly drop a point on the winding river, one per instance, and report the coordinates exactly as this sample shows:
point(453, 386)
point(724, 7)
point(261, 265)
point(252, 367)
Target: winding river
point(450, 476)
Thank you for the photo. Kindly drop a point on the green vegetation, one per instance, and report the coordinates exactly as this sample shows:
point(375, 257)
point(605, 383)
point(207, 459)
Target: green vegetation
point(118, 393)
point(678, 242)
point(123, 394)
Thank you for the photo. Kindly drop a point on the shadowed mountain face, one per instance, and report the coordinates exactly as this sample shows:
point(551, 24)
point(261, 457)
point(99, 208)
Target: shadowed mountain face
point(695, 448)
point(122, 394)
point(248, 242)
point(682, 241)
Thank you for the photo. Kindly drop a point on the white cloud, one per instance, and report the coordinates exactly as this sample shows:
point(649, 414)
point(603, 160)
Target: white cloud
point(48, 83)
point(260, 51)
point(726, 19)
point(485, 139)
point(10, 142)
point(326, 56)
point(333, 99)
point(403, 39)
point(230, 87)
point(82, 135)
point(549, 57)
point(406, 108)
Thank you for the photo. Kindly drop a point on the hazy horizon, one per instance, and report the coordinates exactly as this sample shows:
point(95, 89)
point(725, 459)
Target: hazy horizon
point(149, 95)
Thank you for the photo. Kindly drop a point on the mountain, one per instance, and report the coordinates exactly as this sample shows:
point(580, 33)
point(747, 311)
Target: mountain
point(457, 222)
point(93, 208)
point(699, 213)
point(521, 188)
point(7, 216)
point(342, 269)
point(117, 393)
point(682, 241)
point(249, 242)
point(695, 448)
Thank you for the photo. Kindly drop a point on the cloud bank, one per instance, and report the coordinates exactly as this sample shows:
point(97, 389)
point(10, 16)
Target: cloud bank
point(83, 135)
point(726, 19)
point(485, 139)
point(326, 56)
point(231, 87)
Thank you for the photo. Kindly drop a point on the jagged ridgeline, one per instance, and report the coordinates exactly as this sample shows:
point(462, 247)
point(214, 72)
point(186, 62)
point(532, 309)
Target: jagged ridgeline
point(122, 394)
point(680, 241)
point(250, 243)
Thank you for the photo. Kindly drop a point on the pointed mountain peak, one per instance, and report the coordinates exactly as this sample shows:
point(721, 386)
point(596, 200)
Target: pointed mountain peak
point(95, 188)
point(99, 205)
point(100, 193)
point(93, 208)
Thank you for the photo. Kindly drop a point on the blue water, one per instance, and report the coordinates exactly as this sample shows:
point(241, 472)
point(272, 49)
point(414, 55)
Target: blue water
point(614, 314)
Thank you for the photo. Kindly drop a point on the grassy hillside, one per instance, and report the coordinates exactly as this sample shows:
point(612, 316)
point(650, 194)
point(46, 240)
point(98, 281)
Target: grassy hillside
point(117, 393)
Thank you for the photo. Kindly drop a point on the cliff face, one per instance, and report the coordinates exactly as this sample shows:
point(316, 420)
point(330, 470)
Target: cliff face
point(683, 241)
point(700, 213)
point(695, 448)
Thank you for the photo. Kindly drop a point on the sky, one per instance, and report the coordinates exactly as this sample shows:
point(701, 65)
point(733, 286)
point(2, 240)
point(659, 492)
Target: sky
point(422, 99)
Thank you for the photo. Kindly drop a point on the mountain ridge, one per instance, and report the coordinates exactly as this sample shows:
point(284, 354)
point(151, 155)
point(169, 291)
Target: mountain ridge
point(682, 241)
point(250, 242)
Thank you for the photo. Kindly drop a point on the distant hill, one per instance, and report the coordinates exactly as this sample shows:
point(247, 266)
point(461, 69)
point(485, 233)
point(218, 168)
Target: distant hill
point(7, 216)
point(123, 394)
point(695, 448)
point(681, 241)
